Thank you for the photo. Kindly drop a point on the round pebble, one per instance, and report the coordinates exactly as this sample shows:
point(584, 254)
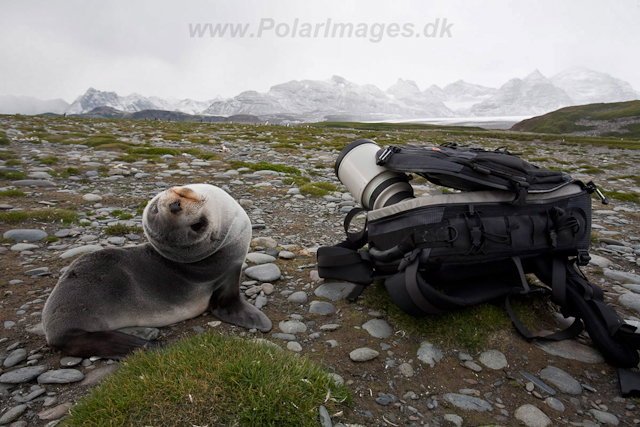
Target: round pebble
point(363, 354)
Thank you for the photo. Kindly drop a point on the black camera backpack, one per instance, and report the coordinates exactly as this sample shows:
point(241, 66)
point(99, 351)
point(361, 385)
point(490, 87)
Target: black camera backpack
point(450, 251)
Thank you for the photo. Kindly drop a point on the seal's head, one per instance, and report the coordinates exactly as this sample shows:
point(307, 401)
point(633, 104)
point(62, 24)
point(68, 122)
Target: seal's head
point(181, 223)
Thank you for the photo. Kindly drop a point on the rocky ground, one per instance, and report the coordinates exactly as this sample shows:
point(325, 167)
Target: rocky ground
point(79, 198)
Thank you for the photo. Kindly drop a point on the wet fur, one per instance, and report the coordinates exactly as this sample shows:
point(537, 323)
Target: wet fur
point(140, 286)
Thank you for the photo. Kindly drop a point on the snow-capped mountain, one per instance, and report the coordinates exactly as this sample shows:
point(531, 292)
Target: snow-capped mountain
point(10, 104)
point(338, 97)
point(188, 106)
point(316, 99)
point(460, 94)
point(531, 96)
point(135, 102)
point(586, 86)
point(94, 98)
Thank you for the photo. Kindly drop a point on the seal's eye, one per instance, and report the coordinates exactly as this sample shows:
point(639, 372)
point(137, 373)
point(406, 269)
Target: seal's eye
point(200, 225)
point(154, 208)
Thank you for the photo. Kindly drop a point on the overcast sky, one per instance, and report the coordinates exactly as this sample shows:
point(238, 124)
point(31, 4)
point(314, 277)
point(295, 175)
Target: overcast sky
point(58, 49)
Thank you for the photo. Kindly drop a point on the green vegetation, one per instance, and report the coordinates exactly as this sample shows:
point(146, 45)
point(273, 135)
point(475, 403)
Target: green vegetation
point(12, 175)
point(4, 140)
point(12, 193)
point(70, 171)
point(211, 380)
point(40, 215)
point(141, 207)
point(51, 239)
point(318, 189)
point(297, 180)
point(50, 160)
point(265, 166)
point(625, 197)
point(565, 120)
point(105, 141)
point(591, 170)
point(121, 230)
point(467, 328)
point(6, 155)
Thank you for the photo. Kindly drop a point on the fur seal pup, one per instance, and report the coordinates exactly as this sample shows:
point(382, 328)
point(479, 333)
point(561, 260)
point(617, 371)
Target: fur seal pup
point(198, 240)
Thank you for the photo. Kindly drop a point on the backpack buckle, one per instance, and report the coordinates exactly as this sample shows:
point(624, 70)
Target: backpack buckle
point(583, 257)
point(408, 259)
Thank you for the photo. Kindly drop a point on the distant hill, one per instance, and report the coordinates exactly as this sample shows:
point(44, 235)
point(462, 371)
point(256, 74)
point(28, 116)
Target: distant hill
point(165, 116)
point(617, 119)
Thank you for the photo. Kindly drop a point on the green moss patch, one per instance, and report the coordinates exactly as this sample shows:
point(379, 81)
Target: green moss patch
point(211, 380)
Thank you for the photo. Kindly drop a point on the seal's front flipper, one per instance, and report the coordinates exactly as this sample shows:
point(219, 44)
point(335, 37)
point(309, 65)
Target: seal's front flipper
point(107, 344)
point(241, 313)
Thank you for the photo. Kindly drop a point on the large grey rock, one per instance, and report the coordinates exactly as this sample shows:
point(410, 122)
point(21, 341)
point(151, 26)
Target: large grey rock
point(335, 291)
point(92, 197)
point(30, 235)
point(633, 288)
point(34, 183)
point(622, 276)
point(22, 375)
point(531, 416)
point(56, 412)
point(81, 250)
point(561, 380)
point(468, 403)
point(605, 417)
point(493, 359)
point(68, 362)
point(95, 376)
point(19, 247)
point(554, 403)
point(12, 414)
point(325, 418)
point(454, 419)
point(29, 397)
point(39, 175)
point(630, 300)
point(599, 261)
point(258, 258)
point(61, 376)
point(321, 308)
point(363, 354)
point(299, 297)
point(267, 242)
point(570, 349)
point(264, 272)
point(15, 357)
point(37, 271)
point(378, 328)
point(429, 354)
point(292, 327)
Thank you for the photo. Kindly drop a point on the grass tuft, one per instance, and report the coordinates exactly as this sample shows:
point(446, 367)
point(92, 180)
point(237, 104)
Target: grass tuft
point(12, 193)
point(41, 215)
point(468, 328)
point(12, 175)
point(211, 380)
point(121, 230)
point(265, 166)
point(318, 189)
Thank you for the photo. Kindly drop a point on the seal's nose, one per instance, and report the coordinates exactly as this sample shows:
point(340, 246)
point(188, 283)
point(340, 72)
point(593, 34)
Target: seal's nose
point(175, 207)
